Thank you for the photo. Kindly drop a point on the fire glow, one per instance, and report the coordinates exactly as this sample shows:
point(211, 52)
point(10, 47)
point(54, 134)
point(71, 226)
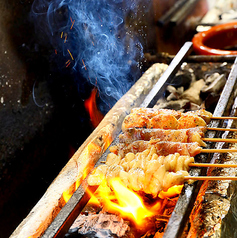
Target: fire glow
point(127, 203)
point(90, 150)
point(90, 104)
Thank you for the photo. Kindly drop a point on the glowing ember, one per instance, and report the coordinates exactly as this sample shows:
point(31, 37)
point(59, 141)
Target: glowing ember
point(95, 115)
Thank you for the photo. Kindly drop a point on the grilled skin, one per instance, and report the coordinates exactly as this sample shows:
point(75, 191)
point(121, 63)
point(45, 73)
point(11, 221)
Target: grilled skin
point(165, 119)
point(163, 148)
point(144, 172)
point(182, 135)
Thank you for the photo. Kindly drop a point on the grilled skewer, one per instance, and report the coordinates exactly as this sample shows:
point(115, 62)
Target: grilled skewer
point(146, 171)
point(167, 119)
point(182, 135)
point(189, 135)
point(145, 163)
point(165, 148)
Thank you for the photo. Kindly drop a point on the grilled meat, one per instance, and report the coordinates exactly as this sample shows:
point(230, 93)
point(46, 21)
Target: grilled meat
point(165, 119)
point(145, 171)
point(182, 135)
point(162, 147)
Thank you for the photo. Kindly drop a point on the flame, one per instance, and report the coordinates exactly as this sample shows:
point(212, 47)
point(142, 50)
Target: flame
point(90, 104)
point(90, 149)
point(171, 192)
point(68, 193)
point(127, 203)
point(123, 201)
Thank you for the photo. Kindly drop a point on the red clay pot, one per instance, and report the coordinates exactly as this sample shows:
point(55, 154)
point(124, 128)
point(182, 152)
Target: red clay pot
point(217, 40)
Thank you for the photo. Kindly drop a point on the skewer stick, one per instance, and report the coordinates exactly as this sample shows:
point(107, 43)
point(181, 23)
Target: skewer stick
point(224, 118)
point(220, 129)
point(220, 140)
point(210, 178)
point(213, 165)
point(218, 150)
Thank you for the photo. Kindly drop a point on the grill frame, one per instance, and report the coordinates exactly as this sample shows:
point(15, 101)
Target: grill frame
point(62, 222)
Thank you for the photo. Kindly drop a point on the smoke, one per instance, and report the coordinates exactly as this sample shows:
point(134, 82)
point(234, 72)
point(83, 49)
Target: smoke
point(93, 38)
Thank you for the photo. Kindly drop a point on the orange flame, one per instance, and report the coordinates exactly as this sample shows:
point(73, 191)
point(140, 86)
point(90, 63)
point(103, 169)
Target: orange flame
point(123, 201)
point(90, 149)
point(90, 104)
point(68, 193)
point(127, 203)
point(171, 192)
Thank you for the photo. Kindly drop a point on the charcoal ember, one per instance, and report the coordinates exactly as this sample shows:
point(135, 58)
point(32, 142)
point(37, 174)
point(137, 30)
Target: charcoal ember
point(72, 233)
point(216, 85)
point(211, 100)
point(174, 93)
point(176, 104)
point(98, 234)
point(100, 225)
point(193, 93)
point(209, 79)
point(182, 80)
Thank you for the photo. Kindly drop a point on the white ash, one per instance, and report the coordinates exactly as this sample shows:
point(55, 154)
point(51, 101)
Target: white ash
point(102, 221)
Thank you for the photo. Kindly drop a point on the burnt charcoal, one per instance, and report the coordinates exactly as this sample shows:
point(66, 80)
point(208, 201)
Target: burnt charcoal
point(211, 101)
point(98, 234)
point(176, 105)
point(216, 85)
point(72, 233)
point(98, 225)
point(181, 80)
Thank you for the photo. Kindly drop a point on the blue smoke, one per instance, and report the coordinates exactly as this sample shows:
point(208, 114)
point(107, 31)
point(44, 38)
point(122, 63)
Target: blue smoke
point(94, 39)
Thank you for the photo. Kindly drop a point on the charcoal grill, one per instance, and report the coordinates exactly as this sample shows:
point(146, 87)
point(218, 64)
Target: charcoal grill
point(147, 94)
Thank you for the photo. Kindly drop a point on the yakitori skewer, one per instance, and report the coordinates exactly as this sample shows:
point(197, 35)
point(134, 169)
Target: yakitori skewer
point(168, 119)
point(210, 178)
point(189, 135)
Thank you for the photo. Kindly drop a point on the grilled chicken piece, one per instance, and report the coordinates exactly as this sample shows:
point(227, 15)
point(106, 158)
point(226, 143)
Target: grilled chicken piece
point(135, 120)
point(189, 121)
point(145, 172)
point(182, 135)
point(165, 119)
point(162, 147)
point(205, 115)
point(166, 148)
point(151, 112)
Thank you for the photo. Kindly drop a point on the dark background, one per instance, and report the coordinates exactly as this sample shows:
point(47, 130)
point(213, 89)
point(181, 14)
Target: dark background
point(42, 116)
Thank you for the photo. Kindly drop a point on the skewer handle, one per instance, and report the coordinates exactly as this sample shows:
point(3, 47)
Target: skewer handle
point(220, 129)
point(218, 150)
point(220, 140)
point(224, 118)
point(213, 165)
point(210, 178)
